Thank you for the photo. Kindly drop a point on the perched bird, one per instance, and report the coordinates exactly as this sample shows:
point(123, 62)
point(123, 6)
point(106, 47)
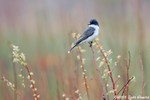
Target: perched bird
point(89, 34)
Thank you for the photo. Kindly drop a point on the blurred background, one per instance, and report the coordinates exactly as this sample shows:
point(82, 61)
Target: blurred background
point(43, 31)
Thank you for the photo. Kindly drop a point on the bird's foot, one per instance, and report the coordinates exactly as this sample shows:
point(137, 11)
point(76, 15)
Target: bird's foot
point(91, 43)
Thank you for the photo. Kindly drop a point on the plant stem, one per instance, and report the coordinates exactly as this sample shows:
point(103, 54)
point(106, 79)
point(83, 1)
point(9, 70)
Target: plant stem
point(99, 75)
point(32, 84)
point(109, 70)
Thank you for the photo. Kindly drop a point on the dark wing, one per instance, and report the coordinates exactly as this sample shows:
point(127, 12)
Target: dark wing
point(85, 35)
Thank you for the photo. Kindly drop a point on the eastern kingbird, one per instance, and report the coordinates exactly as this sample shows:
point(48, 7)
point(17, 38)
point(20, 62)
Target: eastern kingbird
point(89, 34)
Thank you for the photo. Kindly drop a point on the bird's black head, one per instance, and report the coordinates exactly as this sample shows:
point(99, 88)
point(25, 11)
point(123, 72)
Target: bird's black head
point(93, 22)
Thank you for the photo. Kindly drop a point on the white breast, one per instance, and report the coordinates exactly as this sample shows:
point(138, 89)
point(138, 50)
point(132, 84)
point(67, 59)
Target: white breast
point(95, 33)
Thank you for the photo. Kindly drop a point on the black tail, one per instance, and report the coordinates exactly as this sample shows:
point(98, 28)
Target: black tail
point(76, 44)
point(73, 47)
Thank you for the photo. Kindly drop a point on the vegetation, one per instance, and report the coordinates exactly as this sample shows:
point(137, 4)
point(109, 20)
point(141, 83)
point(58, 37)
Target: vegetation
point(36, 36)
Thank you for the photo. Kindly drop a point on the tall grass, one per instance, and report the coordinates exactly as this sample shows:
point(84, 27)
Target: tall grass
point(42, 30)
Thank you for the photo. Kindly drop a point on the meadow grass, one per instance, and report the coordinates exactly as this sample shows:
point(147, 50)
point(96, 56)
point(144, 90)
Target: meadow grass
point(116, 65)
point(78, 75)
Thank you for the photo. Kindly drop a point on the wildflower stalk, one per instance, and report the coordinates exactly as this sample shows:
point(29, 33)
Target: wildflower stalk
point(21, 59)
point(84, 75)
point(12, 86)
point(32, 86)
point(109, 70)
point(83, 70)
point(124, 87)
point(99, 77)
point(15, 76)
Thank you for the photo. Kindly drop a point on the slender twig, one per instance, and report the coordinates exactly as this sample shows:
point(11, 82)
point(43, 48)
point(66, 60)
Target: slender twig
point(35, 94)
point(12, 87)
point(84, 75)
point(99, 75)
point(110, 72)
point(14, 72)
point(125, 85)
point(83, 71)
